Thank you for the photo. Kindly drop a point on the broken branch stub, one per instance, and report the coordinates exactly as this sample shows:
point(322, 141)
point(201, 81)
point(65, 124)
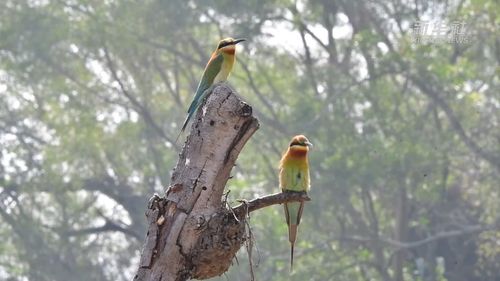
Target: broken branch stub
point(191, 234)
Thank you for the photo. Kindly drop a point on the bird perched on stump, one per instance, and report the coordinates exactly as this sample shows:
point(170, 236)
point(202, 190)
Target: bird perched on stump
point(218, 68)
point(294, 177)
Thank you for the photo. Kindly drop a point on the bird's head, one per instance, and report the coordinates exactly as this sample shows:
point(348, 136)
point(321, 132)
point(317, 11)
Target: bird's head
point(227, 45)
point(300, 143)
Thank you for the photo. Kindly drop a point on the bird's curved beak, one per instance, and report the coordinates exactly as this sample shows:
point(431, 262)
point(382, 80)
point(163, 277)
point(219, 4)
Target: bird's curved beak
point(310, 145)
point(236, 41)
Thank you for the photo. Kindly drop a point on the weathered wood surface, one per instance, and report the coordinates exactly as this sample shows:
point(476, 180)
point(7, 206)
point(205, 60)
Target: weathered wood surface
point(191, 234)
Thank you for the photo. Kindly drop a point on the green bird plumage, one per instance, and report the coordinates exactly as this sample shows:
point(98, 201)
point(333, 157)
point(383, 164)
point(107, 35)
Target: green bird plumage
point(218, 68)
point(294, 176)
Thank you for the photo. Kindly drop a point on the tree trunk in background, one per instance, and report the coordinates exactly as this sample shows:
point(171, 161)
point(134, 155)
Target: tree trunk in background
point(191, 234)
point(401, 232)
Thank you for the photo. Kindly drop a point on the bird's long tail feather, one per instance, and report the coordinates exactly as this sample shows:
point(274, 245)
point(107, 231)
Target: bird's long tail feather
point(292, 236)
point(186, 121)
point(293, 213)
point(193, 107)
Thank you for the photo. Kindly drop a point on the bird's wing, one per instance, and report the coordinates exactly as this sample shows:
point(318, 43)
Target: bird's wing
point(213, 67)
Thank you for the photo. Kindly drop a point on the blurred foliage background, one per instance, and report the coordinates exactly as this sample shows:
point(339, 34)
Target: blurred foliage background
point(405, 169)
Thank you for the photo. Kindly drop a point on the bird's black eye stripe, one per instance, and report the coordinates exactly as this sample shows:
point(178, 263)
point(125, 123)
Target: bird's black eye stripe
point(224, 44)
point(297, 143)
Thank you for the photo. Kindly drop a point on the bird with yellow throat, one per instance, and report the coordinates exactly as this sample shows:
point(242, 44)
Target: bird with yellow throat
point(294, 177)
point(218, 68)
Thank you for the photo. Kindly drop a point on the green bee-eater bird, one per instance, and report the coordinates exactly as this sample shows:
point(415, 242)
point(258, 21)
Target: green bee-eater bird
point(294, 176)
point(218, 69)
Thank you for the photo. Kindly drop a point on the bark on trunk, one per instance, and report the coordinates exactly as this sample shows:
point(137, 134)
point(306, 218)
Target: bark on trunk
point(191, 234)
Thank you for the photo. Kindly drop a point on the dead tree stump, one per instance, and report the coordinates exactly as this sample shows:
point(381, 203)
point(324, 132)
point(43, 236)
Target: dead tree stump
point(191, 234)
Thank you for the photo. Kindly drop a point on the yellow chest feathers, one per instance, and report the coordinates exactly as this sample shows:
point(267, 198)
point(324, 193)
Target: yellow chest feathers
point(227, 65)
